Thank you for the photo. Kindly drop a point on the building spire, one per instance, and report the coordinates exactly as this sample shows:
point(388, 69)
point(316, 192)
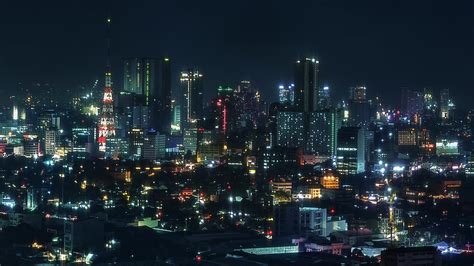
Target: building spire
point(108, 22)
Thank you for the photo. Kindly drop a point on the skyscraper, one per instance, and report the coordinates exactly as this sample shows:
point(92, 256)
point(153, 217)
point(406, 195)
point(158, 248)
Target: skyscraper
point(306, 85)
point(106, 117)
point(444, 104)
point(290, 129)
point(140, 77)
point(350, 158)
point(359, 108)
point(163, 120)
point(321, 134)
point(412, 102)
point(192, 100)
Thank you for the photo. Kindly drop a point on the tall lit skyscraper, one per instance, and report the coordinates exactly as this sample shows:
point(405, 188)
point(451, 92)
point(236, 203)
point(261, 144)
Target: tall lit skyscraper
point(290, 129)
point(350, 154)
point(321, 138)
point(286, 94)
point(192, 92)
point(163, 119)
point(106, 117)
point(444, 104)
point(141, 77)
point(306, 85)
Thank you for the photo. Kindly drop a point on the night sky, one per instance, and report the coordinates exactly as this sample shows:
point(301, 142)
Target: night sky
point(382, 44)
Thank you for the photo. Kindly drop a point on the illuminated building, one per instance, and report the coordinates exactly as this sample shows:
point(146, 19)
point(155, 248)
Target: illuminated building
point(245, 106)
point(330, 181)
point(136, 136)
point(31, 145)
point(290, 219)
point(324, 98)
point(192, 96)
point(162, 120)
point(444, 104)
point(447, 147)
point(290, 129)
point(51, 141)
point(82, 141)
point(407, 137)
point(141, 77)
point(286, 94)
point(412, 102)
point(469, 169)
point(306, 85)
point(359, 107)
point(107, 117)
point(150, 145)
point(321, 134)
point(190, 139)
point(350, 154)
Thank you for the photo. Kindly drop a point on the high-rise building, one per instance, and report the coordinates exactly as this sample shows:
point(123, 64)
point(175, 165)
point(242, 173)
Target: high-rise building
point(350, 154)
point(358, 94)
point(163, 119)
point(412, 102)
point(444, 104)
point(290, 129)
point(321, 133)
point(140, 77)
point(136, 136)
point(51, 141)
point(107, 117)
point(286, 94)
point(151, 145)
point(192, 97)
point(245, 105)
point(324, 98)
point(359, 108)
point(306, 85)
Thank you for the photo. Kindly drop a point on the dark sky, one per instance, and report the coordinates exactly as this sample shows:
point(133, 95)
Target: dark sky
point(383, 44)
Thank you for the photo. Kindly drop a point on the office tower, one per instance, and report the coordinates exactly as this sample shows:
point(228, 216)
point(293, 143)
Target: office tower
point(447, 146)
point(444, 104)
point(190, 139)
point(136, 137)
point(151, 145)
point(306, 85)
point(286, 94)
point(51, 141)
point(407, 137)
point(141, 77)
point(324, 98)
point(176, 123)
point(30, 145)
point(163, 119)
point(107, 118)
point(412, 102)
point(246, 100)
point(290, 129)
point(223, 106)
point(358, 94)
point(192, 97)
point(350, 154)
point(322, 132)
point(359, 108)
point(82, 141)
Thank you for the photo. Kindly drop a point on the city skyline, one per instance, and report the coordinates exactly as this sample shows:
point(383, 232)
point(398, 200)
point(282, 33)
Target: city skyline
point(384, 46)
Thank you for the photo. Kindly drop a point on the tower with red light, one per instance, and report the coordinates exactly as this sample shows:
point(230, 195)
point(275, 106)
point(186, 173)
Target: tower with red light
point(106, 127)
